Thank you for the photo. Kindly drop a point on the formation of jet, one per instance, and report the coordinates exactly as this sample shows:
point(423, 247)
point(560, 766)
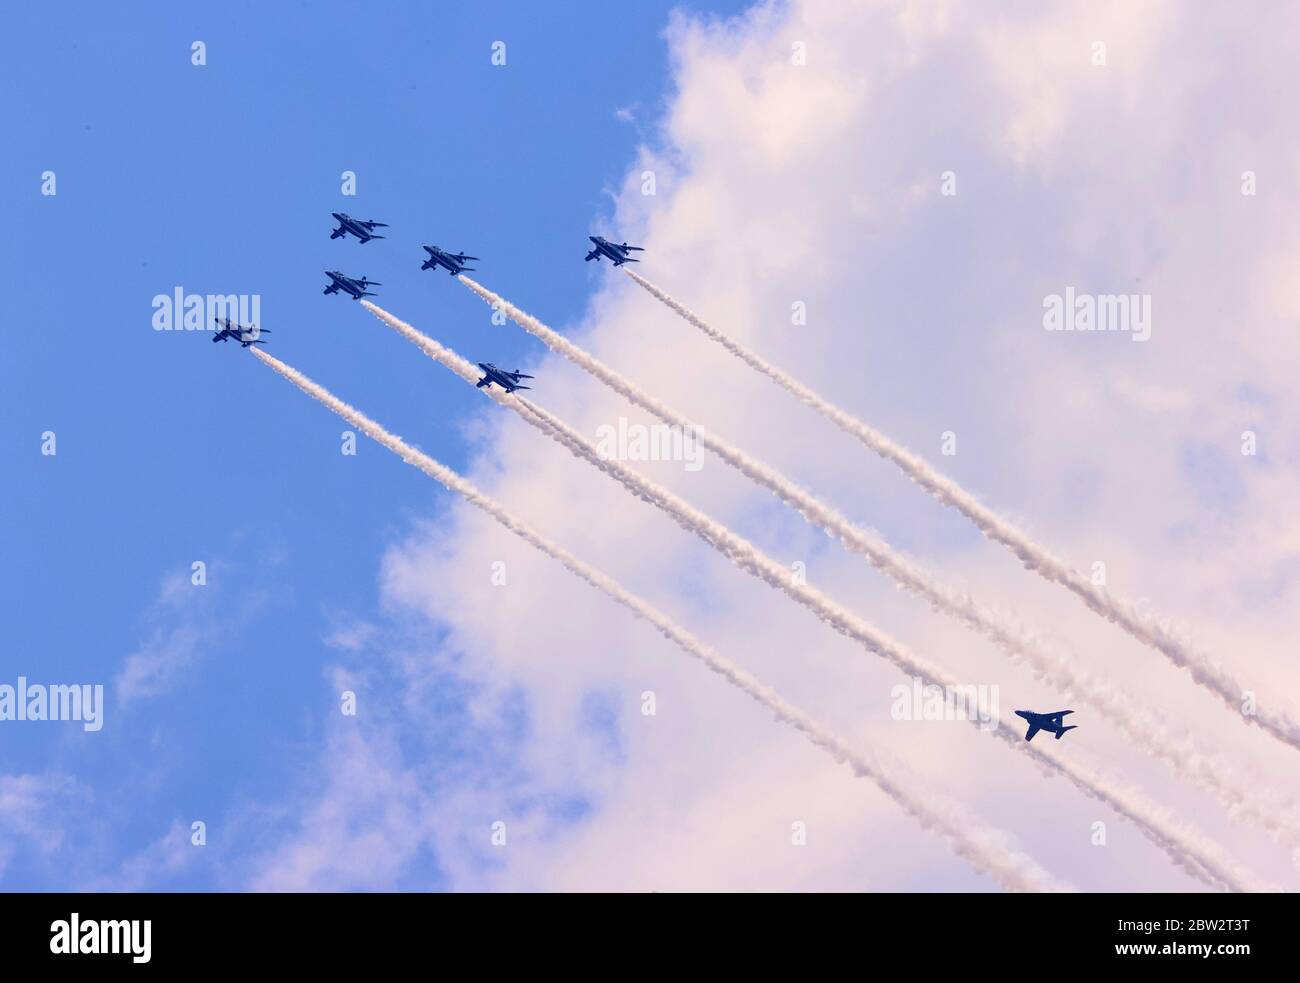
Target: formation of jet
point(452, 262)
point(365, 231)
point(1050, 722)
point(509, 381)
point(245, 336)
point(618, 254)
point(354, 288)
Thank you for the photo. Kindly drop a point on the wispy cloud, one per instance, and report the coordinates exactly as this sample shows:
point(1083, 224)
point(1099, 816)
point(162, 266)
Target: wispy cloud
point(35, 812)
point(183, 626)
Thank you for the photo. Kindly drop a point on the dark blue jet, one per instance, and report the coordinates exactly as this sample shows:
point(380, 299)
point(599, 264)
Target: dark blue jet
point(245, 336)
point(365, 231)
point(618, 254)
point(454, 263)
point(354, 288)
point(509, 381)
point(1050, 722)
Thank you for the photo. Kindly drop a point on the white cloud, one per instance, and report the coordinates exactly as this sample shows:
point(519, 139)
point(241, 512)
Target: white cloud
point(152, 668)
point(34, 814)
point(151, 868)
point(181, 630)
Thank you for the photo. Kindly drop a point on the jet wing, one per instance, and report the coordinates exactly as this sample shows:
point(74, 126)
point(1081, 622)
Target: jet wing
point(1033, 729)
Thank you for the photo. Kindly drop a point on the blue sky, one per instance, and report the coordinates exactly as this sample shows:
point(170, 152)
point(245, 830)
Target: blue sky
point(220, 179)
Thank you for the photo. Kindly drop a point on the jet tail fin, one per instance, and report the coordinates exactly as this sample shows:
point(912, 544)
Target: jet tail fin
point(1061, 733)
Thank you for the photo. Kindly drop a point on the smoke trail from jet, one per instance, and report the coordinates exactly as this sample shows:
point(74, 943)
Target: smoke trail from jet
point(1268, 810)
point(461, 366)
point(987, 850)
point(1187, 848)
point(1146, 628)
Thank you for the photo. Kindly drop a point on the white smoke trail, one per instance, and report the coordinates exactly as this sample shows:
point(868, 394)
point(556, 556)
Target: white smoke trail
point(1270, 811)
point(1146, 628)
point(1187, 848)
point(985, 849)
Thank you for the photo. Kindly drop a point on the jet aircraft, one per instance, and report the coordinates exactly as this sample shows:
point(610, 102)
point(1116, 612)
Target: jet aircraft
point(354, 288)
point(245, 336)
point(613, 250)
point(509, 381)
point(454, 263)
point(365, 231)
point(1050, 722)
